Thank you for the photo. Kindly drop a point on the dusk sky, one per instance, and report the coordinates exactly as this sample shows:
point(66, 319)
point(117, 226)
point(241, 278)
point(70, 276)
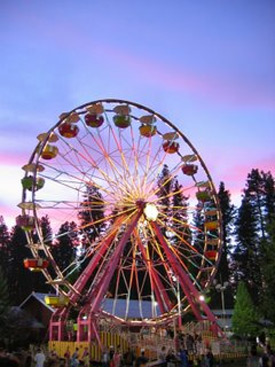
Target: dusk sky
point(207, 65)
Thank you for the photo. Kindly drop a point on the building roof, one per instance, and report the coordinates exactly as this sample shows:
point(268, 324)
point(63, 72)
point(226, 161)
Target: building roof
point(137, 309)
point(40, 297)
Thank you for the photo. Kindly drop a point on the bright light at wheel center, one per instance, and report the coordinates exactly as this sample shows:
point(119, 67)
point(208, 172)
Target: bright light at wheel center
point(151, 211)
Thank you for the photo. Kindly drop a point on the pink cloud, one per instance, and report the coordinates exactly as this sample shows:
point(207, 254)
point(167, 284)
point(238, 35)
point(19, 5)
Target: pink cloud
point(235, 176)
point(13, 159)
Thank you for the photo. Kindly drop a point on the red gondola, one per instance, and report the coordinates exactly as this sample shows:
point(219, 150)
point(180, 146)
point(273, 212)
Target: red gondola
point(211, 254)
point(171, 146)
point(189, 169)
point(93, 120)
point(68, 130)
point(36, 264)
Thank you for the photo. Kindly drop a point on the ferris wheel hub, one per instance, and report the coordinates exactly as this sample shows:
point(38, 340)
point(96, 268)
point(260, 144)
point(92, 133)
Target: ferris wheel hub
point(151, 211)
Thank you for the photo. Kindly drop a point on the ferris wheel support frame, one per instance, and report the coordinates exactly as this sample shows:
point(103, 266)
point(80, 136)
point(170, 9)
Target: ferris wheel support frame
point(189, 289)
point(97, 293)
point(91, 287)
point(161, 294)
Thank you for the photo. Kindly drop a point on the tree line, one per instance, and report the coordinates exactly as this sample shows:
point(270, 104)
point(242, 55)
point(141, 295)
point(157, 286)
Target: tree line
point(247, 258)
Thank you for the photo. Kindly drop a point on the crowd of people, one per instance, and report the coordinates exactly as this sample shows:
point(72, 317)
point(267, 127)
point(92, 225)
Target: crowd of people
point(113, 357)
point(266, 359)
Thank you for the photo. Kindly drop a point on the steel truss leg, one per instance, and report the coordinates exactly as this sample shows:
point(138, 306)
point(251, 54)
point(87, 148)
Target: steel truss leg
point(87, 315)
point(191, 292)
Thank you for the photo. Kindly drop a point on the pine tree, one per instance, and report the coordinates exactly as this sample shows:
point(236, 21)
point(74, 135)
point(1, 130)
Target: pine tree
point(92, 210)
point(64, 249)
point(267, 305)
point(254, 216)
point(4, 244)
point(46, 229)
point(223, 274)
point(256, 194)
point(228, 212)
point(179, 212)
point(269, 201)
point(246, 260)
point(245, 317)
point(20, 280)
point(4, 303)
point(4, 294)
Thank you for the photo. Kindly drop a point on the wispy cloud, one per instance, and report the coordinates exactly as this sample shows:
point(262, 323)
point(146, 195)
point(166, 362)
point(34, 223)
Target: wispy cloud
point(222, 87)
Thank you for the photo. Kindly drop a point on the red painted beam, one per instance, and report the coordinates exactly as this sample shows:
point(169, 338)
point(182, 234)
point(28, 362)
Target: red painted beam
point(189, 289)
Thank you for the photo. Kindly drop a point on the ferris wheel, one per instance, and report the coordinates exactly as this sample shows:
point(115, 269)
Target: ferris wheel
point(137, 204)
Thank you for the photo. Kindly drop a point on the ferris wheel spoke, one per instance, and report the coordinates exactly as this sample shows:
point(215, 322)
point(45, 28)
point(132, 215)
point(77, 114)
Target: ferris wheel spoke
point(88, 183)
point(99, 142)
point(73, 176)
point(184, 224)
point(126, 170)
point(150, 172)
point(113, 184)
point(90, 160)
point(136, 162)
point(171, 194)
point(176, 233)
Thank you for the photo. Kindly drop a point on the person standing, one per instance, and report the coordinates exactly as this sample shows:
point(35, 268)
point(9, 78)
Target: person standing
point(264, 360)
point(141, 360)
point(183, 358)
point(67, 357)
point(117, 357)
point(86, 357)
point(105, 358)
point(253, 359)
point(209, 358)
point(129, 358)
point(39, 358)
point(75, 358)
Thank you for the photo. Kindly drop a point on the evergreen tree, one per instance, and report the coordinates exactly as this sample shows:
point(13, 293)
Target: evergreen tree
point(269, 201)
point(4, 244)
point(20, 280)
point(4, 303)
point(246, 261)
point(64, 249)
point(92, 210)
point(179, 212)
point(223, 274)
point(254, 216)
point(228, 211)
point(46, 229)
point(255, 192)
point(267, 305)
point(39, 281)
point(4, 294)
point(245, 318)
